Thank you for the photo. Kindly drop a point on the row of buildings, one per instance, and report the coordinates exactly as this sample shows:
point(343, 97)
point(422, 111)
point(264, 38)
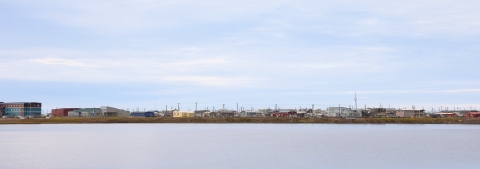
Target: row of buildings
point(103, 111)
point(341, 112)
point(34, 110)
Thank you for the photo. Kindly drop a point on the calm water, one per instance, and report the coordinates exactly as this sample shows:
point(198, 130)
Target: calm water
point(239, 146)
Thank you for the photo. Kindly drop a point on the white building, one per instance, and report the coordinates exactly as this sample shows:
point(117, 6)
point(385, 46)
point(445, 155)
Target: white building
point(341, 112)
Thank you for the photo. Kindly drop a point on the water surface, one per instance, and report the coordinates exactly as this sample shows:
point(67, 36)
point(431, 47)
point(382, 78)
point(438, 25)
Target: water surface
point(239, 146)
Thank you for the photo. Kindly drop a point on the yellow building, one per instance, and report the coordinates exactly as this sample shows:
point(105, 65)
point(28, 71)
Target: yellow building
point(177, 113)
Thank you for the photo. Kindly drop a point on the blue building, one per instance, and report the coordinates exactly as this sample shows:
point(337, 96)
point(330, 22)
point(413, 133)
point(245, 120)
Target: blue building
point(25, 109)
point(143, 114)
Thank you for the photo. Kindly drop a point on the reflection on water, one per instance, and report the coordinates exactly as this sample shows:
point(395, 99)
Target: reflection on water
point(239, 146)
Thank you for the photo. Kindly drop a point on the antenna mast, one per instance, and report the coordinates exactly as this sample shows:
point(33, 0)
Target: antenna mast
point(355, 101)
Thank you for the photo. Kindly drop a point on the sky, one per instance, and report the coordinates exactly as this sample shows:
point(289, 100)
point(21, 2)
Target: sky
point(150, 54)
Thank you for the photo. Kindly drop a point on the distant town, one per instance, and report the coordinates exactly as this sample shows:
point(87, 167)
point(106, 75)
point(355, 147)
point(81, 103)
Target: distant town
point(34, 110)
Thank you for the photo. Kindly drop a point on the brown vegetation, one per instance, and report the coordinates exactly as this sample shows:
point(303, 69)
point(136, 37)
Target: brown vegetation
point(245, 120)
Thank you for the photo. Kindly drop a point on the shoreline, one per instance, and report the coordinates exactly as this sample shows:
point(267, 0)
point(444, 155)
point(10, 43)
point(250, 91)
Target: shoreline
point(258, 120)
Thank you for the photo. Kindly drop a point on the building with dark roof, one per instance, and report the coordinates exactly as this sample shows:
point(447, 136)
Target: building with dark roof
point(24, 109)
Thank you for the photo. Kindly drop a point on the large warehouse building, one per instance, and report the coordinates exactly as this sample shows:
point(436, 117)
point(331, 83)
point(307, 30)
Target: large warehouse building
point(114, 112)
point(86, 112)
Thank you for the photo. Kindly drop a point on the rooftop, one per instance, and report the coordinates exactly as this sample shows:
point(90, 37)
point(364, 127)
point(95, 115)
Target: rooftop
point(18, 102)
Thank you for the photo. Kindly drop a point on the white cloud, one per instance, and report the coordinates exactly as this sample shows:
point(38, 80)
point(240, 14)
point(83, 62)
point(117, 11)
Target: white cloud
point(212, 80)
point(199, 65)
point(61, 61)
point(344, 17)
point(130, 67)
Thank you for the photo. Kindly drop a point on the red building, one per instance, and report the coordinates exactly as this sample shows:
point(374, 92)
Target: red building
point(62, 112)
point(472, 115)
point(284, 113)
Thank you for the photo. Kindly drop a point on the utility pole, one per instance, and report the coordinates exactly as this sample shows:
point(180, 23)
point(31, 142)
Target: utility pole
point(237, 107)
point(339, 110)
point(195, 107)
point(356, 109)
point(224, 107)
point(313, 110)
point(413, 107)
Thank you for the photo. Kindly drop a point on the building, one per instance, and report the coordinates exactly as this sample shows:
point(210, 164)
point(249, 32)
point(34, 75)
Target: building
point(265, 112)
point(451, 114)
point(304, 112)
point(248, 113)
point(159, 113)
point(341, 112)
point(377, 112)
point(410, 113)
point(62, 111)
point(24, 109)
point(226, 113)
point(284, 113)
point(86, 112)
point(472, 115)
point(319, 113)
point(390, 112)
point(202, 113)
point(434, 115)
point(458, 113)
point(177, 113)
point(143, 114)
point(114, 112)
point(166, 113)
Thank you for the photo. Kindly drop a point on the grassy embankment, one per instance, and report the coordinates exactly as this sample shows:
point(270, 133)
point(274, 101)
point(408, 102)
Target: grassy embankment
point(245, 120)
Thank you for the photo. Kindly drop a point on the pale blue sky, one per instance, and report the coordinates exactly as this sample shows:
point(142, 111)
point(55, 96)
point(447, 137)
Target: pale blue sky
point(136, 53)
